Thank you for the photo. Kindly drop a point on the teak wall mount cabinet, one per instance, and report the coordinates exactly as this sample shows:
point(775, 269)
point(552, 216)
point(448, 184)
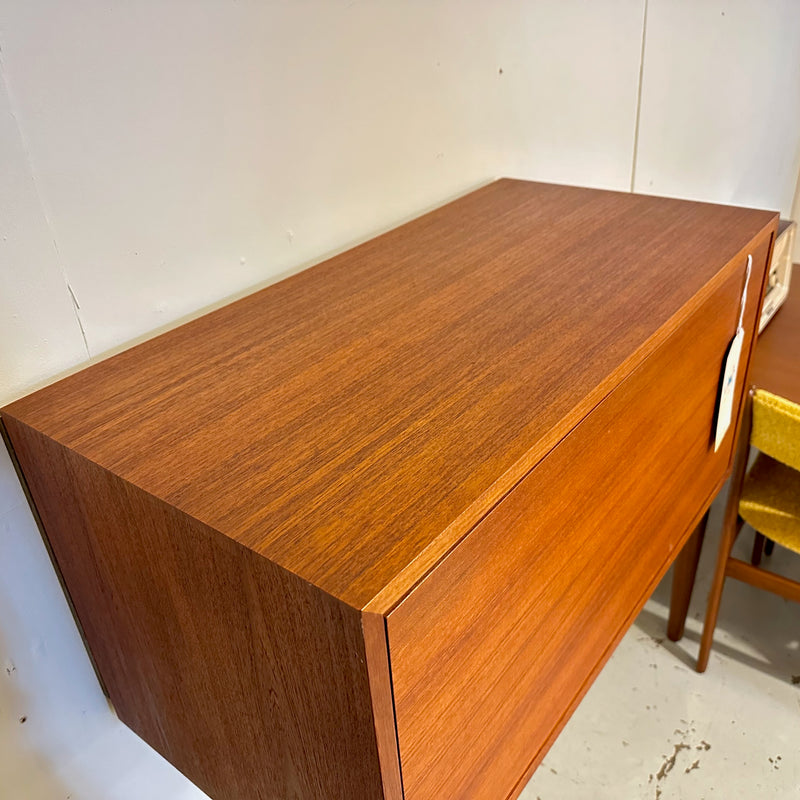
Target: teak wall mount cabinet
point(372, 531)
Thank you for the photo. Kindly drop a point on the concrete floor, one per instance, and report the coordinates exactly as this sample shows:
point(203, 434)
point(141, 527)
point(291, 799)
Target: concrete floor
point(651, 728)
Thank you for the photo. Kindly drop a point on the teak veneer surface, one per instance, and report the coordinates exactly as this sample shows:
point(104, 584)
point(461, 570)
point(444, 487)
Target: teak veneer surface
point(774, 366)
point(369, 533)
point(616, 505)
point(246, 678)
point(352, 422)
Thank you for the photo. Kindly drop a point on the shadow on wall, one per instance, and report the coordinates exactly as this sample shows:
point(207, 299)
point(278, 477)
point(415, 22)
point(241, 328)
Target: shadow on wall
point(24, 772)
point(49, 699)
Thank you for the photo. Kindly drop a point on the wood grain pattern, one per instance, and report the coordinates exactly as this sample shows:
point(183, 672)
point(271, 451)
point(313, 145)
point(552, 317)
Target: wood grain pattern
point(250, 681)
point(309, 536)
point(353, 422)
point(775, 359)
point(504, 635)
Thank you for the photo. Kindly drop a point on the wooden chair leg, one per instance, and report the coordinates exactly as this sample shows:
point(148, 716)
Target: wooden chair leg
point(683, 576)
point(730, 527)
point(758, 549)
point(715, 595)
point(769, 546)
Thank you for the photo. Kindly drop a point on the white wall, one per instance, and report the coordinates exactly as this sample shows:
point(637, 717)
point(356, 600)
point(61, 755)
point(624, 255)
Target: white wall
point(721, 92)
point(160, 156)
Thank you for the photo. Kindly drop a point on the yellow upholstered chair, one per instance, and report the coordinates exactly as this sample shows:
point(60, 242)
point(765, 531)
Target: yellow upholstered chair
point(767, 498)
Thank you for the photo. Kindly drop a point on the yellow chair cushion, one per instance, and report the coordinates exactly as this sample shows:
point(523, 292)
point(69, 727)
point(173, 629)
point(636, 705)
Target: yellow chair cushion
point(776, 427)
point(770, 501)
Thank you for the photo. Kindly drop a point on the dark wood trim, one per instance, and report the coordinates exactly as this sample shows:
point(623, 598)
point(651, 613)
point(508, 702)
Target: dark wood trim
point(758, 548)
point(380, 681)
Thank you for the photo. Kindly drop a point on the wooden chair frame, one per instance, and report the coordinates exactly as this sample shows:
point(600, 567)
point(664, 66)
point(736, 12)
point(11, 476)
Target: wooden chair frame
point(727, 566)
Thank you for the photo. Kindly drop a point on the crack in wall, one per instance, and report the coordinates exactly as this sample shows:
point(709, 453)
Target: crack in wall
point(13, 111)
point(639, 99)
point(77, 307)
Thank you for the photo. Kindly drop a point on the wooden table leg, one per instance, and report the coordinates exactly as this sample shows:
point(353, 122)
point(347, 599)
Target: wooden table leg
point(683, 577)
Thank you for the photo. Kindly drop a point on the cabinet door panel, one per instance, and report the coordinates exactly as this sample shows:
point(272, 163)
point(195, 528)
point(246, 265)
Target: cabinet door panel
point(511, 627)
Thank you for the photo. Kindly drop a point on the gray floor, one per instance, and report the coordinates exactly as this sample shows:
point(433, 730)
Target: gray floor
point(651, 728)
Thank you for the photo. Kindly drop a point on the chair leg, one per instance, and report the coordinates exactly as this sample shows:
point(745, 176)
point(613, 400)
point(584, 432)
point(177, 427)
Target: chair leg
point(769, 546)
point(683, 575)
point(715, 595)
point(758, 549)
point(730, 527)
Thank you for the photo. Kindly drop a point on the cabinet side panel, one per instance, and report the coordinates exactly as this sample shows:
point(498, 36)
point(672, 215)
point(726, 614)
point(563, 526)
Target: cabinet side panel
point(249, 680)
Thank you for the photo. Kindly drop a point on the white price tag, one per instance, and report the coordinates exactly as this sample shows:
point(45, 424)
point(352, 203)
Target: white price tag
point(728, 386)
point(725, 413)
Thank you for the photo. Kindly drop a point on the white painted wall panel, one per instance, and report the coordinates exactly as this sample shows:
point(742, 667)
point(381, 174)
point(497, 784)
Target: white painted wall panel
point(721, 101)
point(188, 150)
point(40, 335)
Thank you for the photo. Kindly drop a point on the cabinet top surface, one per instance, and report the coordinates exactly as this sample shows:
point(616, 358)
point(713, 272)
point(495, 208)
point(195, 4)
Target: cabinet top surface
point(352, 421)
